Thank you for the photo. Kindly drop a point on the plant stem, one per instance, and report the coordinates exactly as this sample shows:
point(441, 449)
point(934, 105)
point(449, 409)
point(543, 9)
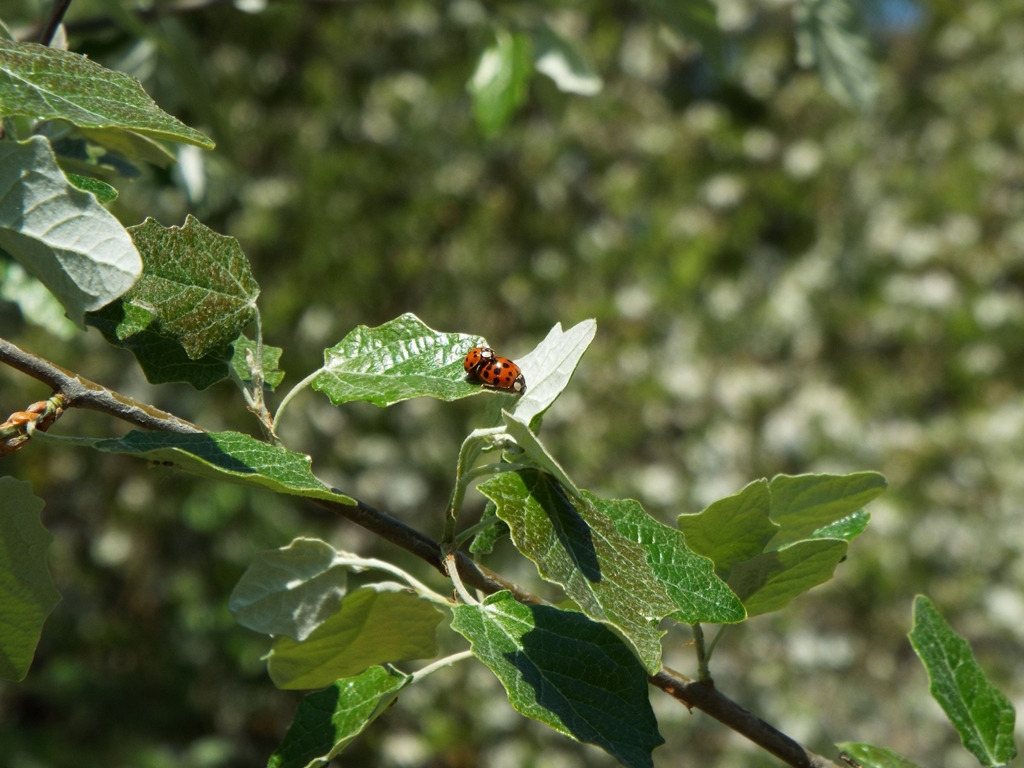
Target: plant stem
point(447, 661)
point(60, 7)
point(382, 565)
point(714, 642)
point(703, 673)
point(473, 530)
point(453, 571)
point(291, 394)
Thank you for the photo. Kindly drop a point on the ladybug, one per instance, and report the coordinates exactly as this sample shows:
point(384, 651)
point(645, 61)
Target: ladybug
point(476, 357)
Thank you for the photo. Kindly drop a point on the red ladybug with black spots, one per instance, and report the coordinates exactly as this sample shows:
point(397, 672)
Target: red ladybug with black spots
point(500, 373)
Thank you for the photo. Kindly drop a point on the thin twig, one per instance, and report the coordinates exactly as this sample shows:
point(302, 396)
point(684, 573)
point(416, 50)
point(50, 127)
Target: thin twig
point(82, 393)
point(60, 7)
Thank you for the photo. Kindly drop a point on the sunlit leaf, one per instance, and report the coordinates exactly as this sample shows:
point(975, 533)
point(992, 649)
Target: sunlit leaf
point(499, 84)
point(59, 234)
point(290, 591)
point(566, 671)
point(27, 592)
point(272, 375)
point(46, 83)
point(397, 361)
point(982, 715)
point(576, 546)
point(549, 367)
point(103, 191)
point(827, 39)
point(228, 456)
point(377, 623)
point(846, 528)
point(559, 59)
point(327, 721)
point(868, 756)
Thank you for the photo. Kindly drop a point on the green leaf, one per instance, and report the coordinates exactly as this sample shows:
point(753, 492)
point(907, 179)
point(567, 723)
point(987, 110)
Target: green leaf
point(230, 457)
point(397, 361)
point(196, 283)
point(377, 623)
point(162, 359)
point(131, 145)
point(826, 38)
point(272, 375)
point(696, 20)
point(483, 542)
point(577, 547)
point(559, 59)
point(770, 581)
point(548, 368)
point(60, 234)
point(290, 591)
point(103, 191)
point(982, 715)
point(27, 592)
point(802, 504)
point(732, 529)
point(869, 756)
point(46, 83)
point(688, 577)
point(566, 671)
point(327, 721)
point(499, 84)
point(846, 528)
point(37, 305)
point(533, 448)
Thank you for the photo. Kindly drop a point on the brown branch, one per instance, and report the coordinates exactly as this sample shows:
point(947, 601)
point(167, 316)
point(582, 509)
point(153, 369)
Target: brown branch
point(79, 392)
point(83, 393)
point(60, 7)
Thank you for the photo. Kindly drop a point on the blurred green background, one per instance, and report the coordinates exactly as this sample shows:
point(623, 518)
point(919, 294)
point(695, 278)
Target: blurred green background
point(781, 284)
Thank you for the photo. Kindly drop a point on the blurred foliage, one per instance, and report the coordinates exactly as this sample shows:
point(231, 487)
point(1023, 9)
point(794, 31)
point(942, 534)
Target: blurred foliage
point(780, 284)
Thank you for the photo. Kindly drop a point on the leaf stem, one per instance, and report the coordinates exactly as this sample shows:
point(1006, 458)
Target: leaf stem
point(473, 530)
point(409, 579)
point(60, 7)
point(291, 394)
point(470, 451)
point(703, 672)
point(714, 642)
point(447, 661)
point(453, 571)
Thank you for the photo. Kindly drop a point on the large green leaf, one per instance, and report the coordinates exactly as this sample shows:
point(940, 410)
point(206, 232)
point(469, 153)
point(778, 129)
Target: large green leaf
point(161, 358)
point(559, 59)
point(397, 361)
point(290, 591)
point(548, 368)
point(868, 756)
point(769, 581)
point(577, 547)
point(327, 721)
point(732, 529)
point(566, 671)
point(688, 577)
point(47, 83)
point(499, 84)
point(196, 283)
point(59, 234)
point(803, 504)
point(376, 623)
point(227, 456)
point(982, 715)
point(826, 38)
point(27, 593)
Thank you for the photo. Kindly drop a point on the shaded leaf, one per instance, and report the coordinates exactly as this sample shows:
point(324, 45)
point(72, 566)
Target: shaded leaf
point(688, 577)
point(46, 83)
point(732, 529)
point(548, 368)
point(982, 715)
point(696, 20)
point(483, 543)
point(875, 757)
point(376, 623)
point(196, 283)
point(161, 358)
point(27, 592)
point(827, 39)
point(802, 504)
point(559, 59)
point(290, 591)
point(499, 84)
point(396, 361)
point(228, 456)
point(327, 721)
point(770, 581)
point(566, 671)
point(272, 375)
point(37, 305)
point(103, 191)
point(577, 547)
point(59, 234)
point(131, 145)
